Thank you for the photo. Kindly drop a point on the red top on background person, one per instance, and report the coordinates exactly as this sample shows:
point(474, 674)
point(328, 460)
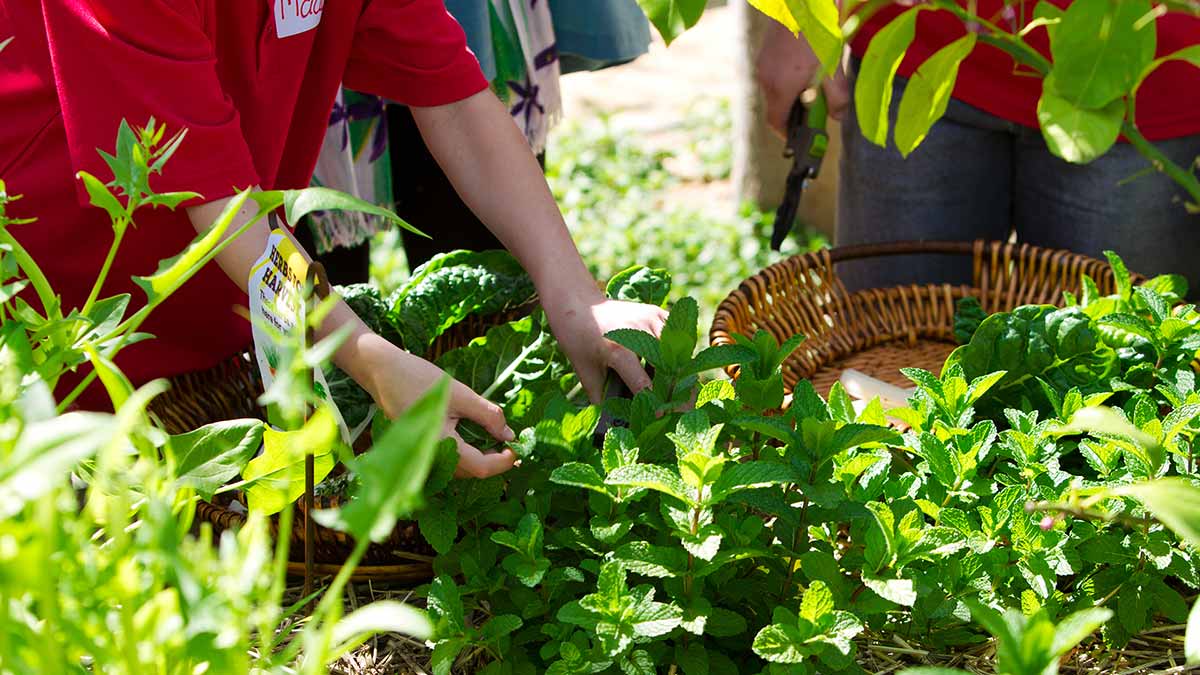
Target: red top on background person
point(253, 82)
point(1168, 104)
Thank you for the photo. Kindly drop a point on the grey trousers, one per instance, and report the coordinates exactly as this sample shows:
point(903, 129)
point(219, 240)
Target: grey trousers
point(978, 176)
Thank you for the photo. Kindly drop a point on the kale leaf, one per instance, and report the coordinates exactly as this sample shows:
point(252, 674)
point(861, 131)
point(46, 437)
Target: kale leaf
point(640, 284)
point(453, 286)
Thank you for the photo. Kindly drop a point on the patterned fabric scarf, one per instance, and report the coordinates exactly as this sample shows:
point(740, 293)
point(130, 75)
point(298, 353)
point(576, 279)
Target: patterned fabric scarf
point(527, 67)
point(354, 156)
point(353, 159)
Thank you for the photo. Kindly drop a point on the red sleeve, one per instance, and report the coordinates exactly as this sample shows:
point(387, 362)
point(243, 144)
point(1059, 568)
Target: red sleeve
point(137, 59)
point(413, 52)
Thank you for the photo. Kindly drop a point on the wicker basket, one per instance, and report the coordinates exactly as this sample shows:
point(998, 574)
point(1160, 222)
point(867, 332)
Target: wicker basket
point(230, 390)
point(879, 331)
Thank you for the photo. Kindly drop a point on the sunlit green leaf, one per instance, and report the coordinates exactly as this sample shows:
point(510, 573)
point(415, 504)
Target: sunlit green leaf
point(927, 93)
point(1174, 501)
point(209, 457)
point(1078, 135)
point(277, 475)
point(1099, 50)
point(873, 88)
point(299, 203)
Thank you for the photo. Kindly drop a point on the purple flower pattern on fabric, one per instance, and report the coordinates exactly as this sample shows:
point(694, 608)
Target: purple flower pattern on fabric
point(371, 107)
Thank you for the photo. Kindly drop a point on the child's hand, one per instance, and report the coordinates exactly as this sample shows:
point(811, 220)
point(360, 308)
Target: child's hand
point(580, 326)
point(473, 462)
point(396, 379)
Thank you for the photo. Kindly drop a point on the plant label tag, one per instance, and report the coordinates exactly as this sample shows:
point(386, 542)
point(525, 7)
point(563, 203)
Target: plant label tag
point(277, 307)
point(293, 17)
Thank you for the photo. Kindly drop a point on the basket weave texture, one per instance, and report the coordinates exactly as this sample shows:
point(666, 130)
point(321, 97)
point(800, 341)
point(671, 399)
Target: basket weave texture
point(231, 389)
point(878, 331)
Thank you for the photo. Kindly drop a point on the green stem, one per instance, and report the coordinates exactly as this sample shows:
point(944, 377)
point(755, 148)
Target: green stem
point(5, 619)
point(787, 583)
point(1184, 177)
point(330, 606)
point(33, 273)
point(687, 578)
point(119, 229)
point(1084, 514)
point(129, 638)
point(76, 392)
point(1000, 38)
point(234, 486)
point(506, 374)
point(334, 592)
point(266, 631)
point(51, 648)
point(949, 496)
point(131, 324)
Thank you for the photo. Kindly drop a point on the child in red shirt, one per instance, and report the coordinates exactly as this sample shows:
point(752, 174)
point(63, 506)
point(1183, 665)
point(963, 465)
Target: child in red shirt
point(253, 82)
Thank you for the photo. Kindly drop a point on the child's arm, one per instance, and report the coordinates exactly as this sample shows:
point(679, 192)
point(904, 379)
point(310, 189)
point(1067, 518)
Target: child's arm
point(490, 164)
point(393, 377)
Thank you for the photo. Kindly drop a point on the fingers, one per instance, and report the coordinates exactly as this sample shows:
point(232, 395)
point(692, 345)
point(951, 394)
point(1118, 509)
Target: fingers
point(473, 463)
point(785, 67)
point(591, 378)
point(657, 319)
point(837, 93)
point(629, 368)
point(467, 404)
point(776, 116)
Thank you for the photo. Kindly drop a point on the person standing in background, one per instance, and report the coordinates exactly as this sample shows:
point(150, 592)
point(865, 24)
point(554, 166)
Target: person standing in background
point(984, 170)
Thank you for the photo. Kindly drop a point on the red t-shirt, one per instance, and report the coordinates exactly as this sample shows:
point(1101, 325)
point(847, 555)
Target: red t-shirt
point(256, 107)
point(1168, 104)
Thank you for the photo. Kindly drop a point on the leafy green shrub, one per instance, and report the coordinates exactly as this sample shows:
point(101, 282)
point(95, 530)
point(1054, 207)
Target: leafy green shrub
point(111, 578)
point(708, 532)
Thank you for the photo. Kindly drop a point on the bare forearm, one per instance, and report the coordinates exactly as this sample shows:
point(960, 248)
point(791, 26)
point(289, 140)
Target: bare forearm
point(491, 166)
point(239, 257)
point(393, 377)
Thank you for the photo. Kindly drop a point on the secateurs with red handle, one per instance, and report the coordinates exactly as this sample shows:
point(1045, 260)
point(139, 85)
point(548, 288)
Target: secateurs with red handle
point(806, 144)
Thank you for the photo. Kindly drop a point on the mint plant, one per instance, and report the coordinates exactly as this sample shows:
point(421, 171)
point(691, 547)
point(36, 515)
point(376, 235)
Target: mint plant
point(694, 526)
point(737, 529)
point(819, 632)
point(1028, 645)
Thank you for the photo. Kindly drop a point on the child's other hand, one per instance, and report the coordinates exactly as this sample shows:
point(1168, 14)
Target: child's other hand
point(396, 379)
point(580, 326)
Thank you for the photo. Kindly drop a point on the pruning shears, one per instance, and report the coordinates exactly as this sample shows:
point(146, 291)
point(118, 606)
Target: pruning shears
point(806, 144)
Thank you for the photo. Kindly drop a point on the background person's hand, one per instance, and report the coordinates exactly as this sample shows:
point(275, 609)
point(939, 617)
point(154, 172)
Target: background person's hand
point(785, 67)
point(396, 379)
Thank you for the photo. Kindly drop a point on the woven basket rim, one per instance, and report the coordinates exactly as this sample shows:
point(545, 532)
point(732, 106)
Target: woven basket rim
point(803, 294)
point(196, 396)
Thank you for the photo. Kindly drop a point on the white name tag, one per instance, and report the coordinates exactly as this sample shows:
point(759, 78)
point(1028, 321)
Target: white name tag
point(293, 17)
point(276, 289)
